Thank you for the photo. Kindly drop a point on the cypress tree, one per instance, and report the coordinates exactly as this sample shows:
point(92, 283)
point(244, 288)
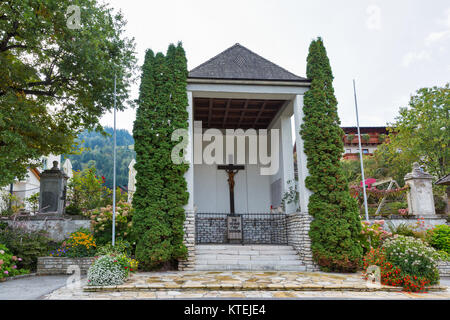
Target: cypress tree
point(336, 227)
point(161, 190)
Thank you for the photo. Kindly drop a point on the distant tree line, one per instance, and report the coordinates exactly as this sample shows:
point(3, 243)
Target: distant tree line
point(97, 150)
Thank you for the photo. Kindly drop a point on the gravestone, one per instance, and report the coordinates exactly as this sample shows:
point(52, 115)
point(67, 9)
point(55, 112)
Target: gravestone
point(52, 196)
point(420, 195)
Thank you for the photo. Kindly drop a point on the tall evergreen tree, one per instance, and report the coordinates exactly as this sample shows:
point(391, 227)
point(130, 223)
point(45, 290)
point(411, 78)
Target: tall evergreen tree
point(161, 190)
point(336, 226)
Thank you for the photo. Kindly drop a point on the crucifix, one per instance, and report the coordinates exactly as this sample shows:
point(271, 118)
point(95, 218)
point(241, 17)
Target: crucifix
point(231, 170)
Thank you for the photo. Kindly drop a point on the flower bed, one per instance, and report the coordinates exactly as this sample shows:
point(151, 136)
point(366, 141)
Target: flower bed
point(406, 262)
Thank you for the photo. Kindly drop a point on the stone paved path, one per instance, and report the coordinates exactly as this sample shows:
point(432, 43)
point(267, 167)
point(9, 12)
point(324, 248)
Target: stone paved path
point(170, 286)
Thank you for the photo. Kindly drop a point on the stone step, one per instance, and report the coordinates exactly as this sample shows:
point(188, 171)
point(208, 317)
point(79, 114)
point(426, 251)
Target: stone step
point(247, 257)
point(262, 267)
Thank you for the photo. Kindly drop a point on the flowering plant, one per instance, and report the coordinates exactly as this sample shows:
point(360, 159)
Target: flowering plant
point(111, 270)
point(80, 243)
point(8, 263)
point(405, 261)
point(101, 222)
point(373, 235)
point(393, 275)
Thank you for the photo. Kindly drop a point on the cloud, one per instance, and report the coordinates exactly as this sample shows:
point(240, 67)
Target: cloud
point(434, 37)
point(373, 21)
point(412, 57)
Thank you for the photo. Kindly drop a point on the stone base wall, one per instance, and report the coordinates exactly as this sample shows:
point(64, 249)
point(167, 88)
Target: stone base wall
point(58, 227)
point(444, 268)
point(189, 241)
point(429, 221)
point(62, 265)
point(298, 237)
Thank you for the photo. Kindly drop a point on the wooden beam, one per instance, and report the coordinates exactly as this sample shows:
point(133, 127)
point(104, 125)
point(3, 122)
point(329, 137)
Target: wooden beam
point(211, 101)
point(242, 113)
point(227, 108)
point(260, 112)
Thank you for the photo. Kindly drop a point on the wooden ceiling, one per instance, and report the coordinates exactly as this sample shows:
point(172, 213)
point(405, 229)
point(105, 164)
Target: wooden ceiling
point(235, 113)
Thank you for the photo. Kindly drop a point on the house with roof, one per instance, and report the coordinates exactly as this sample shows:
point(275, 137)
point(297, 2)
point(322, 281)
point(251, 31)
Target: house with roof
point(239, 197)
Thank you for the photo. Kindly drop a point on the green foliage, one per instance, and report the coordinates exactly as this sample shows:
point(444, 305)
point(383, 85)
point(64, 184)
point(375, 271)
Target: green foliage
point(413, 257)
point(33, 201)
point(8, 263)
point(86, 191)
point(56, 81)
point(161, 190)
point(29, 245)
point(365, 137)
point(101, 222)
point(439, 204)
point(120, 247)
point(439, 237)
point(420, 134)
point(336, 227)
point(10, 203)
point(97, 149)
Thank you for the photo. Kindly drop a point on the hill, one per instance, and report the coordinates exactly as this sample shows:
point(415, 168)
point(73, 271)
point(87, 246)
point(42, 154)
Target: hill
point(99, 152)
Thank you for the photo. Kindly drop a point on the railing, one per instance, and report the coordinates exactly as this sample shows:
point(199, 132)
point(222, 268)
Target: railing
point(257, 228)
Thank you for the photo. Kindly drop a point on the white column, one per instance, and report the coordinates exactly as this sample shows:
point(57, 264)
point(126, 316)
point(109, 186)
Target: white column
point(287, 158)
point(189, 156)
point(304, 193)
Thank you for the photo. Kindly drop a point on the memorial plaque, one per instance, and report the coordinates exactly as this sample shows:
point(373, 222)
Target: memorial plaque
point(234, 228)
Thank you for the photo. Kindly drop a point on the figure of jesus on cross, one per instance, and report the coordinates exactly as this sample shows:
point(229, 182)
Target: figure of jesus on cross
point(231, 170)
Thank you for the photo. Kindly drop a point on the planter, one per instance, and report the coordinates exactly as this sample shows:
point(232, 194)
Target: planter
point(63, 265)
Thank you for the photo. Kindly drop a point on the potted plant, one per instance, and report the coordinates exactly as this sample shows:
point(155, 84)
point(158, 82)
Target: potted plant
point(350, 137)
point(365, 137)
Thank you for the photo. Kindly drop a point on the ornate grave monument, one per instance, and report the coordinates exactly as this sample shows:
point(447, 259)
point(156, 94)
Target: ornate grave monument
point(53, 188)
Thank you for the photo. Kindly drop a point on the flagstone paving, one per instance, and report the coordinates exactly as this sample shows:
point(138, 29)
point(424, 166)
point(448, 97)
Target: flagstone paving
point(240, 284)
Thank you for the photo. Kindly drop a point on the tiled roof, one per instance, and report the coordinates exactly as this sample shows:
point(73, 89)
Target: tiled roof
point(239, 63)
point(444, 180)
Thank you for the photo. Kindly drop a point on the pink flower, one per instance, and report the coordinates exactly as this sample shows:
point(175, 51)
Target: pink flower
point(1, 262)
point(14, 267)
point(14, 258)
point(6, 272)
point(2, 252)
point(20, 259)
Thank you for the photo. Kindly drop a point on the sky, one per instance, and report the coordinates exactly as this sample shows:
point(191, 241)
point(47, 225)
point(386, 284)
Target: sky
point(390, 48)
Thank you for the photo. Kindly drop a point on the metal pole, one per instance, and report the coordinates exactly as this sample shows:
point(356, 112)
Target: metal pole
point(360, 155)
point(114, 170)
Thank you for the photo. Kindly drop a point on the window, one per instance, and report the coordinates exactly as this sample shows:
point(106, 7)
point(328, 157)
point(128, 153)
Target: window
point(365, 151)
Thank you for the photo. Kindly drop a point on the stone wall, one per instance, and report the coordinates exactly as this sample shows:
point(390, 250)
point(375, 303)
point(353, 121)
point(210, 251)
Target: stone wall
point(444, 268)
point(298, 237)
point(62, 265)
point(396, 220)
point(58, 227)
point(189, 241)
point(256, 228)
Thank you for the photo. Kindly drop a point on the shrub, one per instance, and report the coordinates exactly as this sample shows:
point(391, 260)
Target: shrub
point(106, 271)
point(110, 270)
point(9, 263)
point(120, 247)
point(86, 191)
point(27, 244)
point(101, 222)
point(392, 275)
point(336, 227)
point(373, 235)
point(80, 243)
point(439, 237)
point(161, 189)
point(413, 257)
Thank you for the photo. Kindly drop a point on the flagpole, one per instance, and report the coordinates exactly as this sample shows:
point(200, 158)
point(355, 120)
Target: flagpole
point(114, 170)
point(360, 155)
